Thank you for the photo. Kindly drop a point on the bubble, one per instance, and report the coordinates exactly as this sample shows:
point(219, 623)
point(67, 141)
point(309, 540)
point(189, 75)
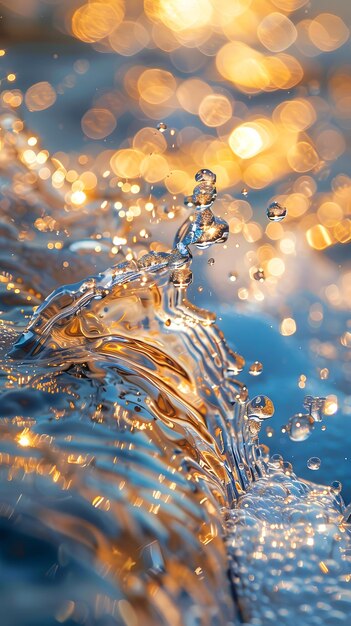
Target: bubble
point(162, 127)
point(204, 194)
point(261, 407)
point(244, 192)
point(256, 368)
point(314, 463)
point(233, 276)
point(259, 275)
point(205, 176)
point(300, 426)
point(315, 407)
point(276, 212)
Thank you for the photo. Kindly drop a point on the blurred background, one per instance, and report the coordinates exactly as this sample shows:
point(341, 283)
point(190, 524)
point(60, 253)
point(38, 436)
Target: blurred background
point(120, 103)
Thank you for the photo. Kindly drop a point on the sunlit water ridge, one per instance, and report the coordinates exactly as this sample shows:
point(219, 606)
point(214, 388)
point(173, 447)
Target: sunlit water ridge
point(132, 475)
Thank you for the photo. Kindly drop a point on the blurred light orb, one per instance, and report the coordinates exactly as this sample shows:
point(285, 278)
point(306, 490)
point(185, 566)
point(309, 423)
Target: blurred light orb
point(98, 123)
point(276, 32)
point(96, 20)
point(215, 110)
point(180, 15)
point(40, 96)
point(245, 141)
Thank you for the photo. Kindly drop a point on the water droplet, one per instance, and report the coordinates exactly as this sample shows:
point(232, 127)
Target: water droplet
point(261, 407)
point(314, 463)
point(315, 407)
point(335, 487)
point(276, 212)
point(256, 368)
point(211, 261)
point(244, 192)
point(162, 127)
point(233, 276)
point(276, 461)
point(300, 426)
point(204, 194)
point(259, 275)
point(188, 202)
point(205, 175)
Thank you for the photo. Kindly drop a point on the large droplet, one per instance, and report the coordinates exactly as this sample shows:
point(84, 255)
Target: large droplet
point(261, 407)
point(276, 212)
point(300, 426)
point(314, 463)
point(206, 176)
point(256, 368)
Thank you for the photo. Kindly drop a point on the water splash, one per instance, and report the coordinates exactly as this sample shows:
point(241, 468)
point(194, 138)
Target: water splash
point(131, 463)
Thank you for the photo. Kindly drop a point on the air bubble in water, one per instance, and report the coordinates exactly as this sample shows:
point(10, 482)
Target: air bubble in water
point(276, 212)
point(256, 368)
point(162, 127)
point(300, 426)
point(211, 261)
point(314, 463)
point(261, 407)
point(205, 175)
point(259, 275)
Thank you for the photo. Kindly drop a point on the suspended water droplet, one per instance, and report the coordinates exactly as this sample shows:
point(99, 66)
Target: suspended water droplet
point(335, 487)
point(269, 431)
point(261, 407)
point(300, 426)
point(259, 275)
point(315, 407)
point(162, 127)
point(244, 192)
point(276, 212)
point(205, 176)
point(314, 463)
point(188, 202)
point(233, 276)
point(256, 368)
point(211, 261)
point(276, 461)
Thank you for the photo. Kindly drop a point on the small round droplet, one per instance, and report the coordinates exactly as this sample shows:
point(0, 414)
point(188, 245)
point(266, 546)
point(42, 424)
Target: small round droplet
point(269, 431)
point(314, 463)
point(233, 276)
point(259, 275)
point(188, 202)
point(261, 407)
point(256, 368)
point(244, 192)
point(211, 261)
point(276, 212)
point(300, 426)
point(205, 175)
point(162, 127)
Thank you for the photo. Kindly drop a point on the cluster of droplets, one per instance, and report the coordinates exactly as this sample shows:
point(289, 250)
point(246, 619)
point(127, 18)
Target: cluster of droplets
point(301, 425)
